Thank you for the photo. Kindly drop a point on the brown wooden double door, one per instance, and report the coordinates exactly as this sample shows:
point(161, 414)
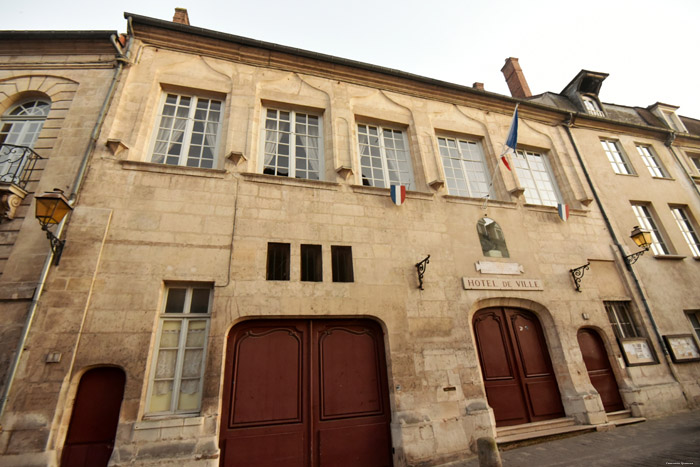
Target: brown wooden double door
point(518, 376)
point(306, 393)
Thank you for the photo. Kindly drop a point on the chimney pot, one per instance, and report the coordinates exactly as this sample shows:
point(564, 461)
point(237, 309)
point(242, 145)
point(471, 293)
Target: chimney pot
point(515, 78)
point(181, 16)
point(478, 85)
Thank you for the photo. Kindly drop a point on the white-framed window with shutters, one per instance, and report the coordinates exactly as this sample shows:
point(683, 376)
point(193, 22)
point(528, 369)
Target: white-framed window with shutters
point(536, 177)
point(647, 222)
point(466, 173)
point(616, 156)
point(385, 158)
point(177, 373)
point(293, 145)
point(685, 224)
point(652, 161)
point(187, 131)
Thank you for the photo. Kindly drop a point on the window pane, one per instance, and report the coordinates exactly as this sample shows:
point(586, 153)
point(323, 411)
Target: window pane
point(161, 397)
point(196, 333)
point(200, 301)
point(384, 160)
point(170, 335)
point(165, 368)
point(176, 301)
point(534, 175)
point(189, 395)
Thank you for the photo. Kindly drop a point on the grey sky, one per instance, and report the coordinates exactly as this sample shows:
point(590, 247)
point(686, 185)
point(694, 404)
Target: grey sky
point(649, 48)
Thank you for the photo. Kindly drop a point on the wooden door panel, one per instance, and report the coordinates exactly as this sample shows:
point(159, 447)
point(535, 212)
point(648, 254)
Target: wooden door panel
point(599, 370)
point(532, 352)
point(95, 417)
point(508, 404)
point(545, 399)
point(492, 347)
point(268, 450)
point(350, 382)
point(355, 446)
point(268, 379)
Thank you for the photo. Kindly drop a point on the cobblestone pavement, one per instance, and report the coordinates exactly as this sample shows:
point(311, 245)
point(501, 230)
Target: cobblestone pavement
point(668, 441)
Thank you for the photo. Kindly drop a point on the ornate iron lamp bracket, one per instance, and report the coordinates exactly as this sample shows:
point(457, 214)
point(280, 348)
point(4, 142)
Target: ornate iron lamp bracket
point(421, 271)
point(631, 259)
point(56, 244)
point(577, 274)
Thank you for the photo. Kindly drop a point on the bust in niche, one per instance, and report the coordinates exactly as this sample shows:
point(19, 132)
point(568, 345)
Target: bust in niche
point(493, 242)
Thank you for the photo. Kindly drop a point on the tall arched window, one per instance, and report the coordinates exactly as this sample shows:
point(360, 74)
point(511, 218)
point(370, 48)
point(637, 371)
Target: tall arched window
point(21, 126)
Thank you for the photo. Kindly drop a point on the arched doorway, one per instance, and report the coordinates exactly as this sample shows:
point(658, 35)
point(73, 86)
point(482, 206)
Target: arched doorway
point(518, 377)
point(305, 392)
point(599, 370)
point(93, 424)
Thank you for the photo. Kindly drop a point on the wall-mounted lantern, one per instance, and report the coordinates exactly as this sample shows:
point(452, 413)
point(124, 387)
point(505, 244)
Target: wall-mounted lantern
point(643, 240)
point(51, 208)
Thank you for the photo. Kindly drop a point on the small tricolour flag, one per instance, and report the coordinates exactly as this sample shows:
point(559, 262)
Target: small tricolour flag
point(563, 210)
point(398, 194)
point(512, 140)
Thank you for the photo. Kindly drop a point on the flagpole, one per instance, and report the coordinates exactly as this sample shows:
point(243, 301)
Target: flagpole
point(511, 143)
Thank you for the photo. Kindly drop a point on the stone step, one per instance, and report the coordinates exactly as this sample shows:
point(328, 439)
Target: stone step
point(628, 421)
point(522, 439)
point(535, 426)
point(619, 414)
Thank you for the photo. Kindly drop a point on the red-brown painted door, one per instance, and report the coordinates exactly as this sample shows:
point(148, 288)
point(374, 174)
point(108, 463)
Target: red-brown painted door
point(93, 424)
point(305, 393)
point(599, 370)
point(518, 377)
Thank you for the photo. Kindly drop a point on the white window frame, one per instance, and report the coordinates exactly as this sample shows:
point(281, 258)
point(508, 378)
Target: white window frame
point(651, 161)
point(592, 106)
point(646, 221)
point(380, 150)
point(685, 224)
point(617, 157)
point(294, 169)
point(467, 174)
point(620, 317)
point(184, 318)
point(537, 177)
point(183, 158)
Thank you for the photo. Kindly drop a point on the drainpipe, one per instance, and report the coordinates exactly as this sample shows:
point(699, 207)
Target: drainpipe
point(567, 126)
point(121, 60)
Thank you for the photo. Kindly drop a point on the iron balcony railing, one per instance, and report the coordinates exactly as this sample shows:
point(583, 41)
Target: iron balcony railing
point(17, 164)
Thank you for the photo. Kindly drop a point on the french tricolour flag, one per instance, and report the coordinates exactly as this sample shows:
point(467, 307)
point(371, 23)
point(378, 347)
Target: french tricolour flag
point(398, 194)
point(512, 140)
point(563, 211)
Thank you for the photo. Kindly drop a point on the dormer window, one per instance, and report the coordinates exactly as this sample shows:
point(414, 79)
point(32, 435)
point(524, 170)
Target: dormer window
point(591, 106)
point(667, 114)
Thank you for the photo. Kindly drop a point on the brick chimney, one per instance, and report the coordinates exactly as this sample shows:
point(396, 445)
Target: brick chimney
point(515, 78)
point(181, 16)
point(478, 85)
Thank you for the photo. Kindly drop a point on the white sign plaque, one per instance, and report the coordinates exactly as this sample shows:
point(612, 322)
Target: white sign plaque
point(479, 283)
point(492, 267)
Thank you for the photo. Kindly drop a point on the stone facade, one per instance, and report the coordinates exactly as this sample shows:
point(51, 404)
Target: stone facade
point(71, 71)
point(140, 227)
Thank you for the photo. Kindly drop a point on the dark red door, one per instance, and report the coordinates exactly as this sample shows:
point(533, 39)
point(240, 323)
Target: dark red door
point(599, 370)
point(93, 424)
point(305, 393)
point(518, 376)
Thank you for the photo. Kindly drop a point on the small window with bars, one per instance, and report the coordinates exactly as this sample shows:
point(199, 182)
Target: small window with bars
point(341, 261)
point(311, 264)
point(278, 261)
